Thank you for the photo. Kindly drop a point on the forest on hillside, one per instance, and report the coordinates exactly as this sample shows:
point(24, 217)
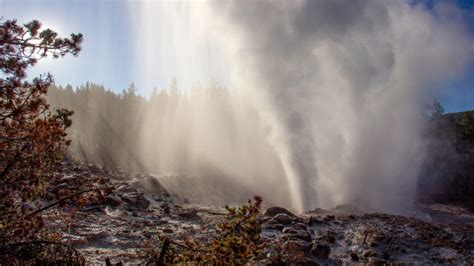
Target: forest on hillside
point(107, 125)
point(209, 133)
point(448, 172)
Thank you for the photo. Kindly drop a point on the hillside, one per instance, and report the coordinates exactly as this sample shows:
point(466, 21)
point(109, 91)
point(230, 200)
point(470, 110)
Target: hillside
point(448, 171)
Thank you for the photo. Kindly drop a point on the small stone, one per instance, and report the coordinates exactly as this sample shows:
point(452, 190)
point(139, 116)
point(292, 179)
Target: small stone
point(272, 211)
point(313, 220)
point(369, 253)
point(303, 235)
point(300, 226)
point(321, 251)
point(125, 189)
point(327, 238)
point(329, 218)
point(289, 230)
point(377, 261)
point(191, 214)
point(27, 207)
point(297, 245)
point(94, 235)
point(165, 208)
point(168, 230)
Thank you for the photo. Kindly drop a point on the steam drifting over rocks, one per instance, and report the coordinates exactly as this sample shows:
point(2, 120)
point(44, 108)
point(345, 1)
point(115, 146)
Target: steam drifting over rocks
point(341, 85)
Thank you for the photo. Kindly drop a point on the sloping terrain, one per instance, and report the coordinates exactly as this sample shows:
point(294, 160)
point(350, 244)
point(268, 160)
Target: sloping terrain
point(141, 210)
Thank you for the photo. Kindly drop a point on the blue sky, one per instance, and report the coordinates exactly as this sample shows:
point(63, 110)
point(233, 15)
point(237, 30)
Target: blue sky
point(113, 51)
point(106, 28)
point(115, 46)
point(458, 95)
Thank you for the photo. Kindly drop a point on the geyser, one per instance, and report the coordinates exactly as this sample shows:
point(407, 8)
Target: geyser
point(325, 105)
point(341, 84)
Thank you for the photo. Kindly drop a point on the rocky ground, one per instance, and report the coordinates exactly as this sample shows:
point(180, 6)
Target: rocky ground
point(141, 210)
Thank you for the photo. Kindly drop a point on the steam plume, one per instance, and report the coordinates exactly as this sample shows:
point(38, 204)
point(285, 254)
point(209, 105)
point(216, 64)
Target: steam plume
point(325, 101)
point(341, 85)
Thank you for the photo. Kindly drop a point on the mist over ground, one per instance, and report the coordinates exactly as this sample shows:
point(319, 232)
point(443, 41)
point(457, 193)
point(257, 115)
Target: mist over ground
point(324, 108)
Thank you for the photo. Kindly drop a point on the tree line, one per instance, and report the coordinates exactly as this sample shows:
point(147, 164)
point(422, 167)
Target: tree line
point(170, 131)
point(447, 174)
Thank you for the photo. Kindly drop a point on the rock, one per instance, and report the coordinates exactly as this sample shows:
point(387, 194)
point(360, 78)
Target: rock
point(297, 245)
point(300, 226)
point(354, 256)
point(150, 185)
point(136, 200)
point(27, 207)
point(272, 226)
point(282, 218)
point(93, 209)
point(168, 230)
point(190, 214)
point(369, 253)
point(313, 220)
point(126, 189)
point(347, 208)
point(61, 186)
point(113, 201)
point(94, 235)
point(272, 211)
point(303, 235)
point(77, 240)
point(329, 237)
point(321, 251)
point(289, 230)
point(166, 208)
point(377, 261)
point(375, 236)
point(329, 218)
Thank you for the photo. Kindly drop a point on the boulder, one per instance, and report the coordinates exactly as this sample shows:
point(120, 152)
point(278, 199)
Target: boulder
point(282, 218)
point(272, 226)
point(150, 185)
point(272, 211)
point(136, 200)
point(113, 201)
